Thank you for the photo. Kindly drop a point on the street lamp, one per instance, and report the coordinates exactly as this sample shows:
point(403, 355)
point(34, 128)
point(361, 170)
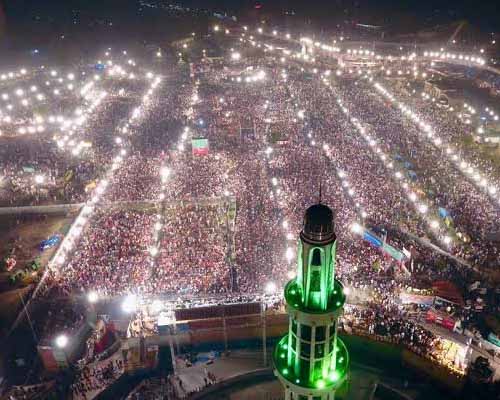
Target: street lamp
point(165, 172)
point(356, 228)
point(153, 251)
point(270, 288)
point(62, 341)
point(92, 297)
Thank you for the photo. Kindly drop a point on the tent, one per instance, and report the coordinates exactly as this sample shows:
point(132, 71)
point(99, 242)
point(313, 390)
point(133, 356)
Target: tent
point(50, 242)
point(448, 291)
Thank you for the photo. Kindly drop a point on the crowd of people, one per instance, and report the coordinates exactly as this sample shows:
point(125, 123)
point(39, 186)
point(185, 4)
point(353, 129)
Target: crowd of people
point(378, 322)
point(152, 389)
point(195, 262)
point(54, 146)
point(93, 378)
point(153, 235)
point(113, 255)
point(471, 210)
point(117, 254)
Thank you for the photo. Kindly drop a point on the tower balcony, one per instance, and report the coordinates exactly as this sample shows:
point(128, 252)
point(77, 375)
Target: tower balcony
point(296, 306)
point(303, 383)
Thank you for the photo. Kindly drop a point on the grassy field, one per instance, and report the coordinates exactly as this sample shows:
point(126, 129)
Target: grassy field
point(21, 237)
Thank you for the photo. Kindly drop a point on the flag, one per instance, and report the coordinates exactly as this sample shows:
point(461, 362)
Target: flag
point(200, 146)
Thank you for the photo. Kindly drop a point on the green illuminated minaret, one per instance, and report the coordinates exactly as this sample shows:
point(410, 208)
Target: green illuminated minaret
point(311, 361)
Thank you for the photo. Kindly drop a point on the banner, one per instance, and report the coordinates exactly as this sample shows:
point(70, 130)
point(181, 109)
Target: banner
point(387, 248)
point(371, 238)
point(200, 146)
point(394, 253)
point(48, 360)
point(492, 338)
point(408, 298)
point(440, 318)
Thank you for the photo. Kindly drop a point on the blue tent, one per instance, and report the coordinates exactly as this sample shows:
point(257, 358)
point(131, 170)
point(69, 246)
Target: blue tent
point(369, 237)
point(443, 213)
point(50, 242)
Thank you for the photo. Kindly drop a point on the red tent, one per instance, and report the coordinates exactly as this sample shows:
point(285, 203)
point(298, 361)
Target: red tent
point(448, 291)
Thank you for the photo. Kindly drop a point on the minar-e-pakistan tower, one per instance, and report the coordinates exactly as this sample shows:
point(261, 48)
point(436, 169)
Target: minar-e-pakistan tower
point(311, 361)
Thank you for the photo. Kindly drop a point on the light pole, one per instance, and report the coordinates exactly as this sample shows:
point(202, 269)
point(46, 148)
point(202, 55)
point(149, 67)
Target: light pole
point(60, 355)
point(269, 290)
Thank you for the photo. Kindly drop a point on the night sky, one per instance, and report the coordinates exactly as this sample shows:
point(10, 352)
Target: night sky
point(42, 23)
point(483, 13)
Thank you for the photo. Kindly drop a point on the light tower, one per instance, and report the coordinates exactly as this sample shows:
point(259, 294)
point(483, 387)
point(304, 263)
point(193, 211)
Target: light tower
point(311, 361)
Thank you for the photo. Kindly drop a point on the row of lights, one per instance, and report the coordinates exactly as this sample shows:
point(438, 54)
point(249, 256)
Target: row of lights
point(462, 116)
point(275, 193)
point(428, 132)
point(130, 302)
point(165, 173)
point(421, 205)
point(441, 55)
point(422, 208)
point(13, 75)
point(23, 96)
point(346, 185)
point(77, 227)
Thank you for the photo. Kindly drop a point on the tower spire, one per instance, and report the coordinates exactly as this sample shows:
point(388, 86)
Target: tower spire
point(311, 361)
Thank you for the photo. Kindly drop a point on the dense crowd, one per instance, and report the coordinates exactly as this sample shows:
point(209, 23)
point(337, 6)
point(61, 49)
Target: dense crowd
point(53, 149)
point(194, 262)
point(117, 254)
point(179, 236)
point(94, 378)
point(471, 210)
